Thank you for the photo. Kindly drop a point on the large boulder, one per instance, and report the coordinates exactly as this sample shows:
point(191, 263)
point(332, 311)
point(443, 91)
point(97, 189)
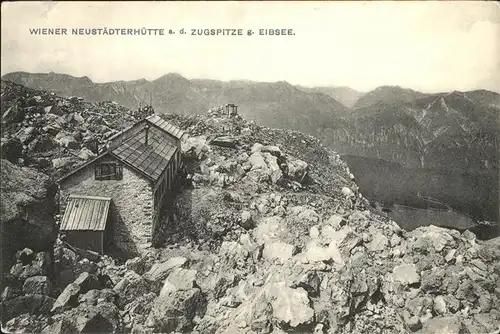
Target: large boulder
point(278, 251)
point(32, 304)
point(176, 310)
point(274, 150)
point(14, 114)
point(448, 325)
point(297, 169)
point(278, 303)
point(40, 266)
point(87, 282)
point(160, 271)
point(65, 265)
point(25, 135)
point(315, 253)
point(195, 147)
point(264, 167)
point(257, 161)
point(68, 141)
point(86, 154)
point(12, 149)
point(179, 279)
point(10, 293)
point(94, 297)
point(62, 326)
point(291, 306)
point(40, 285)
point(25, 323)
point(131, 287)
point(86, 318)
point(137, 311)
point(432, 238)
point(405, 274)
point(42, 143)
point(61, 162)
point(138, 264)
point(274, 170)
point(67, 299)
point(96, 323)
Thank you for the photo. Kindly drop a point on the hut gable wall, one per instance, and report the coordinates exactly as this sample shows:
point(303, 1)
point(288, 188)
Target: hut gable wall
point(132, 197)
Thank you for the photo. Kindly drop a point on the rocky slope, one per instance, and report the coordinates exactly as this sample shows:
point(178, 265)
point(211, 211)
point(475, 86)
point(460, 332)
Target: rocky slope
point(27, 213)
point(52, 133)
point(268, 235)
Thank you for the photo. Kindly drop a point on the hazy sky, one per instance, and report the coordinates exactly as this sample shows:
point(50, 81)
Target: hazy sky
point(427, 46)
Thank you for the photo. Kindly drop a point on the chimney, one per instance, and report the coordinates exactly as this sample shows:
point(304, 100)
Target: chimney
point(147, 134)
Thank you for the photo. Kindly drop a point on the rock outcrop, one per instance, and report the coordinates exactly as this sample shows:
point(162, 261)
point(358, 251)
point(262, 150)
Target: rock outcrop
point(27, 217)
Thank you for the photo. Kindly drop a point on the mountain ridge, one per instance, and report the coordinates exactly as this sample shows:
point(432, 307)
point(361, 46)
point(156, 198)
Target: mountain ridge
point(389, 122)
point(26, 77)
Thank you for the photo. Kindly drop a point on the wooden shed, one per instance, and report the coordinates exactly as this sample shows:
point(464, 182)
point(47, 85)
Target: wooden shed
point(86, 221)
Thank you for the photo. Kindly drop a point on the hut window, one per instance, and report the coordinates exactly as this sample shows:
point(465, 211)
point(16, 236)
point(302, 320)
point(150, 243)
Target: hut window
point(108, 171)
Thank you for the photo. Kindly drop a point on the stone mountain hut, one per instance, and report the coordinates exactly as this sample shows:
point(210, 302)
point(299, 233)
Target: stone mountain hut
point(117, 197)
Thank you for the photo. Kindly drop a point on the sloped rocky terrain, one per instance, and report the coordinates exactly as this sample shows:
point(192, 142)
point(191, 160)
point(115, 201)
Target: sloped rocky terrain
point(269, 234)
point(53, 133)
point(27, 213)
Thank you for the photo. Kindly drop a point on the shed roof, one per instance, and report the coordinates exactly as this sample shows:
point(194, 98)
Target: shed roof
point(85, 213)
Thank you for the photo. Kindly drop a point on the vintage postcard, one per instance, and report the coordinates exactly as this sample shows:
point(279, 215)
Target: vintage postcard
point(250, 167)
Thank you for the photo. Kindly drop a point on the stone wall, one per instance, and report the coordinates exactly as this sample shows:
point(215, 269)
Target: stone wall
point(132, 205)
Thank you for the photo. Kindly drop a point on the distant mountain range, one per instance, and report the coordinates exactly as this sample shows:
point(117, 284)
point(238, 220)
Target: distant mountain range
point(456, 130)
